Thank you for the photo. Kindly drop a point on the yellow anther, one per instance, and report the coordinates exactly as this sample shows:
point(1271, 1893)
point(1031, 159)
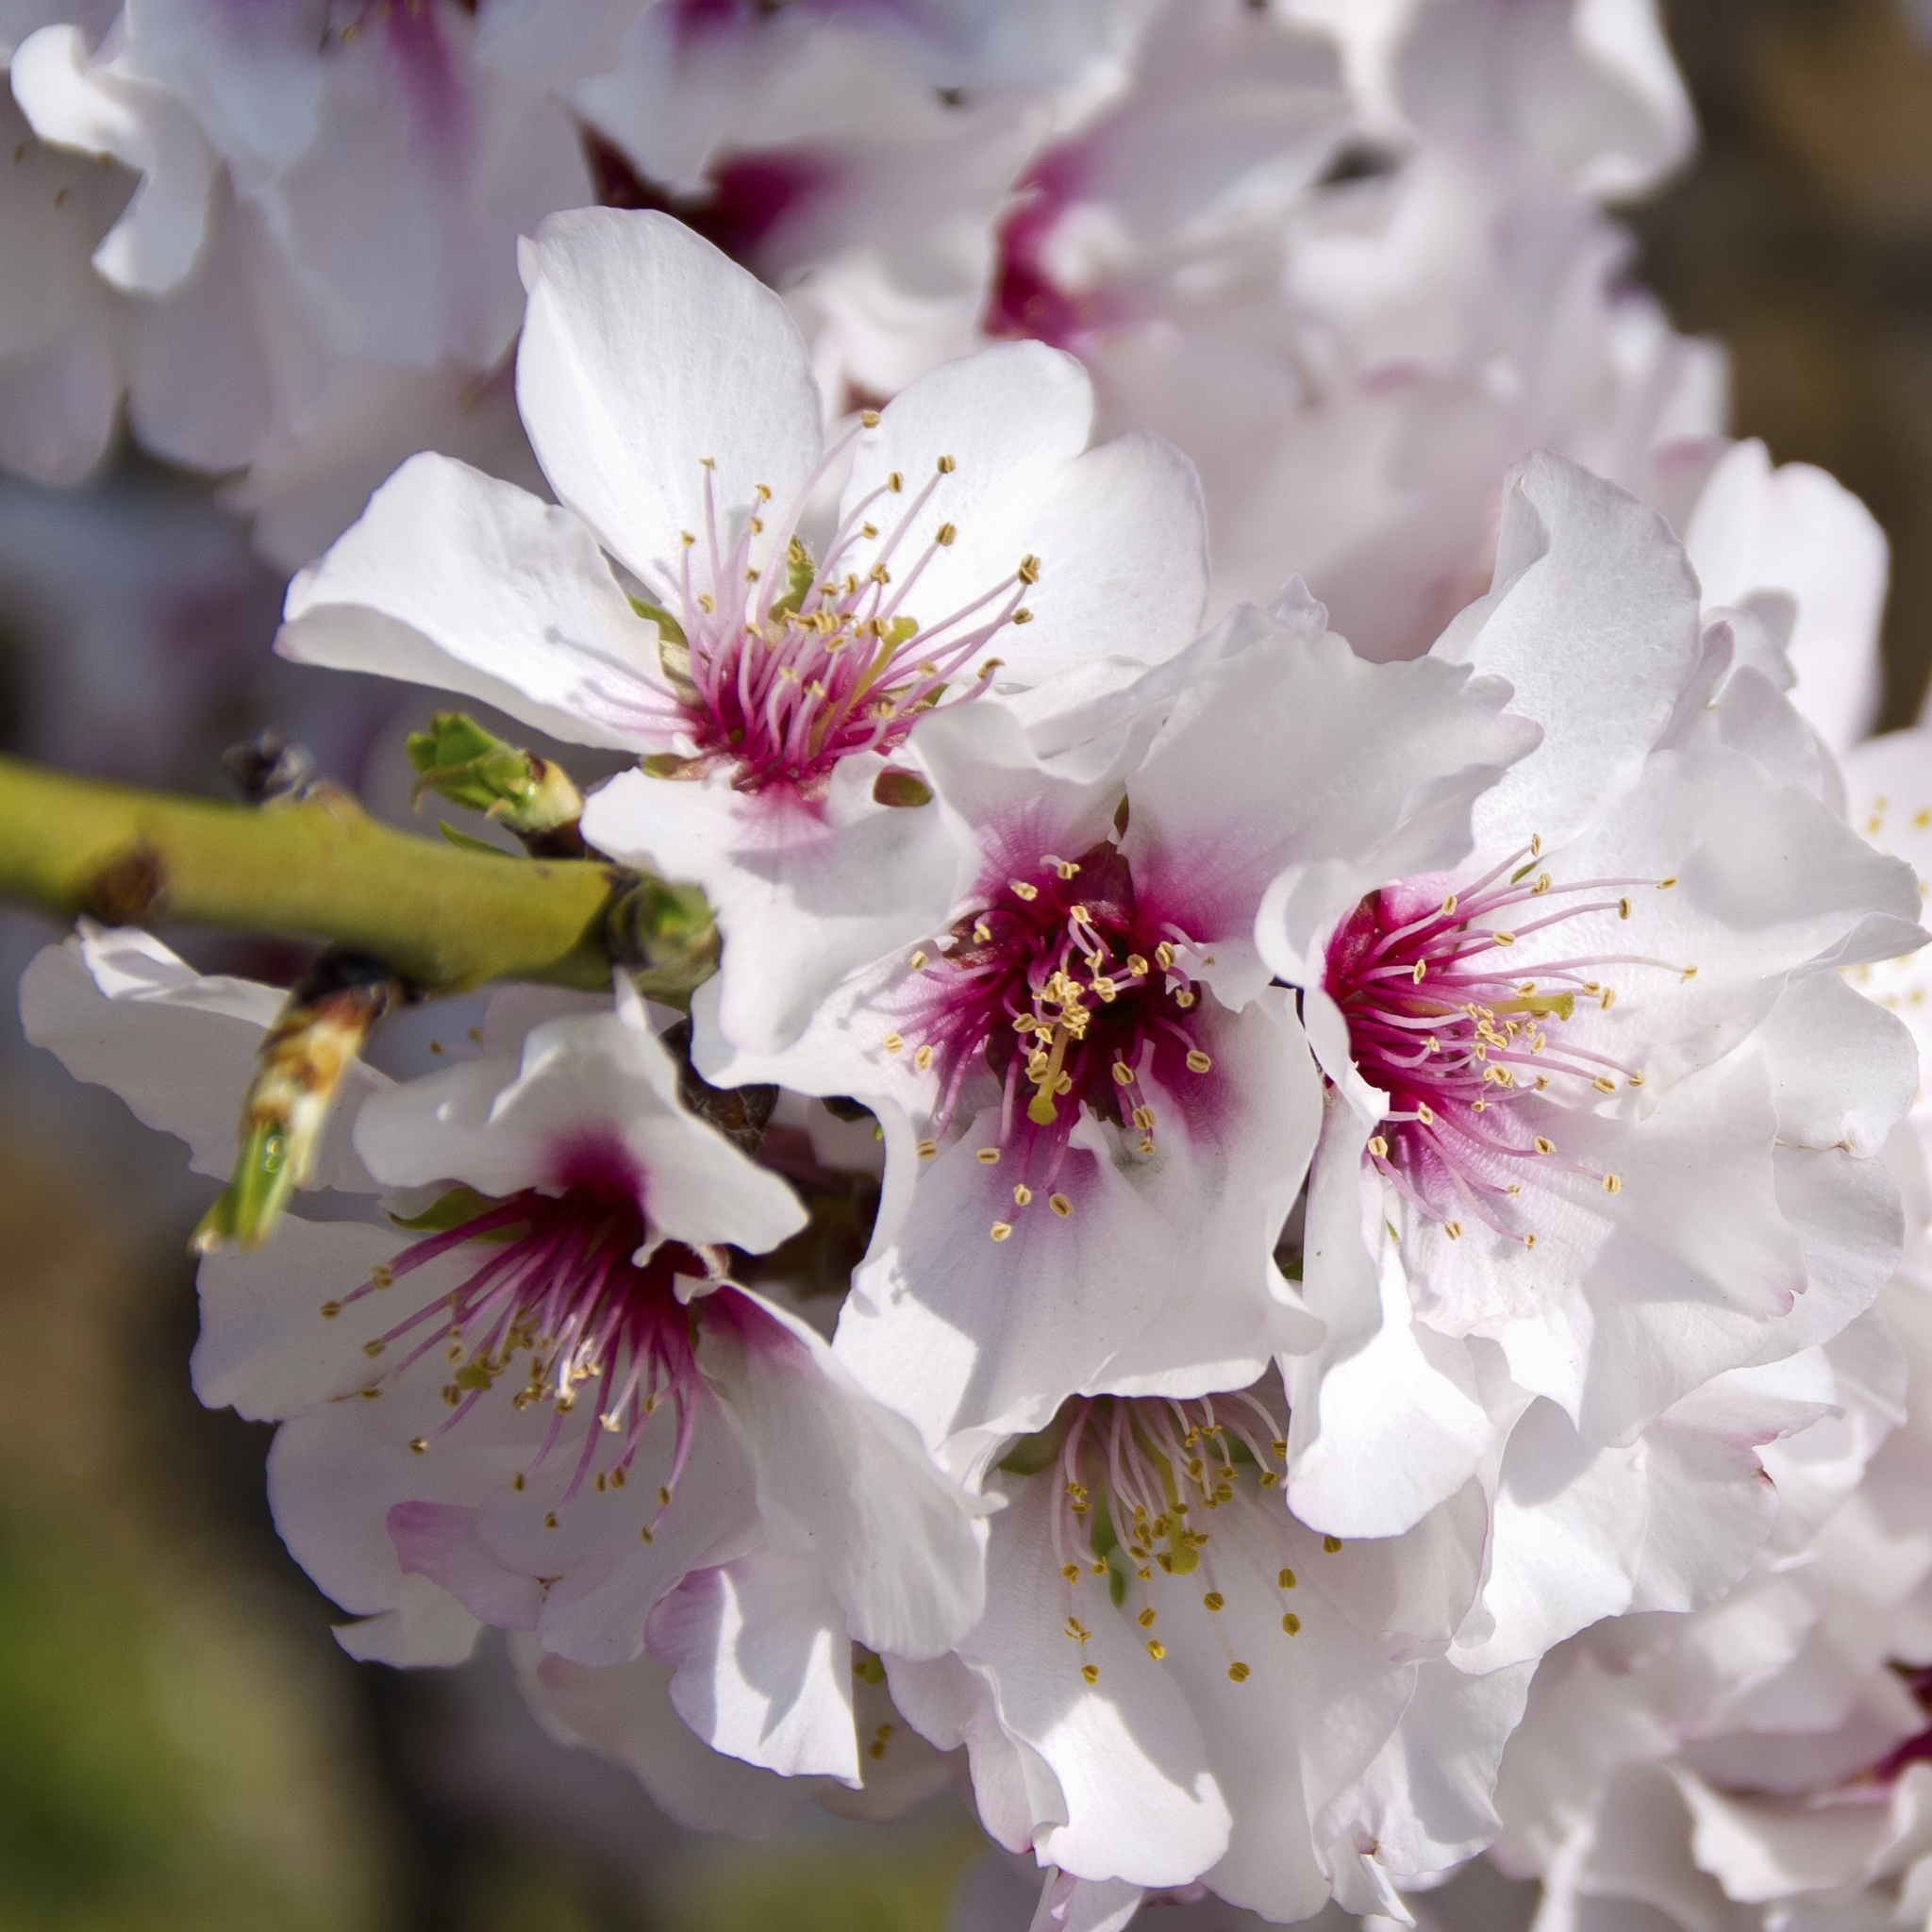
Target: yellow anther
point(1184, 999)
point(1449, 904)
point(1147, 1618)
point(418, 1445)
point(550, 1519)
point(1285, 1580)
point(1379, 1146)
point(1504, 939)
point(1091, 1673)
point(1136, 965)
point(946, 466)
point(1071, 1571)
point(1214, 1601)
point(372, 1349)
point(1155, 1649)
point(870, 418)
point(1023, 891)
point(1163, 955)
point(1291, 1624)
point(516, 1482)
point(1103, 990)
point(928, 1150)
point(1123, 1074)
point(1028, 572)
point(1603, 1084)
point(1542, 883)
point(917, 961)
point(1143, 1117)
point(1001, 1229)
point(892, 1042)
point(1424, 1113)
point(1453, 1229)
point(1022, 1194)
point(1608, 998)
point(1238, 1672)
point(644, 1535)
point(1422, 967)
point(1614, 1184)
point(382, 1276)
point(1529, 1240)
point(1543, 1145)
point(1331, 1543)
point(922, 1058)
point(1665, 885)
point(330, 1311)
point(1622, 909)
point(1020, 616)
point(1198, 1062)
point(988, 1156)
point(895, 482)
point(1061, 1205)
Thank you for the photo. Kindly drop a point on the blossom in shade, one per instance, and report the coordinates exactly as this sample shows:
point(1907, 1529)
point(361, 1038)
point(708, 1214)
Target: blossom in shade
point(1096, 1112)
point(688, 603)
point(1176, 1683)
point(533, 1397)
point(1587, 1125)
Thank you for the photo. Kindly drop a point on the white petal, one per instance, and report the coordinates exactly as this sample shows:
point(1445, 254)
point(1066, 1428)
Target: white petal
point(802, 893)
point(646, 354)
point(454, 579)
point(1594, 621)
point(624, 1713)
point(846, 1480)
point(762, 1670)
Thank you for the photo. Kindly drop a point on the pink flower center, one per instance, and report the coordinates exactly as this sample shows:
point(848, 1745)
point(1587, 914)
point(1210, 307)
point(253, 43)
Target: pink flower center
point(1450, 1020)
point(1071, 995)
point(1134, 1480)
point(777, 678)
point(558, 1303)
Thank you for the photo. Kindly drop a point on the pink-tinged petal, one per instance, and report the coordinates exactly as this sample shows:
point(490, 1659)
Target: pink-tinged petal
point(846, 1480)
point(804, 893)
point(649, 363)
point(762, 1667)
point(1594, 622)
point(1085, 1904)
point(624, 1712)
point(1295, 751)
point(958, 1330)
point(454, 579)
point(439, 1541)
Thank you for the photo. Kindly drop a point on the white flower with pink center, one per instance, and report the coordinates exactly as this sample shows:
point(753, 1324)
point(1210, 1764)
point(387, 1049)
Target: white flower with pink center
point(1097, 1113)
point(697, 599)
point(543, 1405)
point(1589, 1140)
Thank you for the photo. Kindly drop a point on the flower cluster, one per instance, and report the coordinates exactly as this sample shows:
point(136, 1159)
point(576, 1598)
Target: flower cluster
point(1381, 1322)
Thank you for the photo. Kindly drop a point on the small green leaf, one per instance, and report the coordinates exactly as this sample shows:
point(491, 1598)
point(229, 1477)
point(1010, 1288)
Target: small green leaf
point(903, 789)
point(465, 842)
point(451, 1210)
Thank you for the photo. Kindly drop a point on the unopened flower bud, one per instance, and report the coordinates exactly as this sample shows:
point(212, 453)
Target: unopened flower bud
point(530, 797)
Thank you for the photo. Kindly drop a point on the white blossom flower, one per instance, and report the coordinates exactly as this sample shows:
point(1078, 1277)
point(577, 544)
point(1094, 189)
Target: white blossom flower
point(1175, 1681)
point(768, 686)
point(545, 1406)
point(1604, 1116)
point(1108, 1111)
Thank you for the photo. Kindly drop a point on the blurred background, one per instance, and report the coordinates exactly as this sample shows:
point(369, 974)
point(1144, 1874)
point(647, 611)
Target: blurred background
point(181, 1743)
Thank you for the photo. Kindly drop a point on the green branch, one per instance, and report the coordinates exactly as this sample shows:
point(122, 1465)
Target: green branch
point(321, 868)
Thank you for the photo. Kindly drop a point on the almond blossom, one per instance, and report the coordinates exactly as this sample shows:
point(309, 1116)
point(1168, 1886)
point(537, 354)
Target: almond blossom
point(1591, 1117)
point(1097, 1114)
point(688, 603)
point(537, 1401)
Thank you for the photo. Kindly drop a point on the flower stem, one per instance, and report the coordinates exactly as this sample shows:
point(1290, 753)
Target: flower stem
point(321, 868)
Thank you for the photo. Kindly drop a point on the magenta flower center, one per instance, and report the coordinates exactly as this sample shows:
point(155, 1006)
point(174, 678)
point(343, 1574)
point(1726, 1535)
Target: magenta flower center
point(1071, 995)
point(1449, 1016)
point(560, 1308)
point(783, 669)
